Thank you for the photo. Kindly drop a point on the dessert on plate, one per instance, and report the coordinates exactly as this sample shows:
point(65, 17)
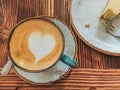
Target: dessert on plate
point(111, 11)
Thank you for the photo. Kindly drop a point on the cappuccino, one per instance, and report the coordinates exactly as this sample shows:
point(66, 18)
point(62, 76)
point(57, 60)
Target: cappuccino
point(36, 44)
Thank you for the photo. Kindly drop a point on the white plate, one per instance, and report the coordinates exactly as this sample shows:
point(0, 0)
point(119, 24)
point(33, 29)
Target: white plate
point(88, 12)
point(60, 69)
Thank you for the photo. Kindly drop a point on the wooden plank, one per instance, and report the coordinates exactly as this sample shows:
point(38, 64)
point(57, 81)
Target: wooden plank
point(8, 88)
point(62, 10)
point(8, 18)
point(31, 8)
point(78, 79)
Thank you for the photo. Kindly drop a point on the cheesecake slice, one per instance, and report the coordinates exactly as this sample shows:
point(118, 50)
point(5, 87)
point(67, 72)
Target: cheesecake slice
point(111, 10)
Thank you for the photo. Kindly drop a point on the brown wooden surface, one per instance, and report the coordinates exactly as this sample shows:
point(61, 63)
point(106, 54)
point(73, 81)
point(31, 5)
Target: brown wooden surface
point(96, 71)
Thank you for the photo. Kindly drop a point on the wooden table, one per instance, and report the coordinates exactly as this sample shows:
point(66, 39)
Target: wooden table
point(96, 71)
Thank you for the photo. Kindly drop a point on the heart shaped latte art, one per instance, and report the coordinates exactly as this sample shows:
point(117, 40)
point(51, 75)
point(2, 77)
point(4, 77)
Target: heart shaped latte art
point(41, 45)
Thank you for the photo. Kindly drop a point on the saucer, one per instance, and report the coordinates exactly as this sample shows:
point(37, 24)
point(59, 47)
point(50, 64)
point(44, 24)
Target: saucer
point(85, 15)
point(59, 70)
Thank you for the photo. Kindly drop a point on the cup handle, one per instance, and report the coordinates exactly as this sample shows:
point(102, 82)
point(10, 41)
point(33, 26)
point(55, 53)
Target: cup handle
point(69, 61)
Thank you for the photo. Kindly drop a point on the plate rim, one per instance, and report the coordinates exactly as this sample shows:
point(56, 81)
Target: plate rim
point(85, 41)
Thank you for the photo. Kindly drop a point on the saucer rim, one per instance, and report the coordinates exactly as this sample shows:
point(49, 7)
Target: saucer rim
point(35, 83)
point(67, 72)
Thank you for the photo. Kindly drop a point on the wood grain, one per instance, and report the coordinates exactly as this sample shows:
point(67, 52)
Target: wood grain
point(96, 71)
point(77, 79)
point(8, 18)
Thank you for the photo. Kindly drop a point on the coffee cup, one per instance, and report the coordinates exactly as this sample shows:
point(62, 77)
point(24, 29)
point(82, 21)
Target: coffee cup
point(36, 44)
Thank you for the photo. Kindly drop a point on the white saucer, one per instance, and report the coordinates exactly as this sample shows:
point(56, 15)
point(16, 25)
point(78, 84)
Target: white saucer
point(60, 69)
point(88, 12)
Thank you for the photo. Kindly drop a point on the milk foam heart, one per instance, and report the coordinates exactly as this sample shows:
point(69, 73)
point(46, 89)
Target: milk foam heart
point(41, 45)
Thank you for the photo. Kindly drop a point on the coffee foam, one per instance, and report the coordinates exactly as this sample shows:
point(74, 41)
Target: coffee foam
point(41, 45)
point(36, 44)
